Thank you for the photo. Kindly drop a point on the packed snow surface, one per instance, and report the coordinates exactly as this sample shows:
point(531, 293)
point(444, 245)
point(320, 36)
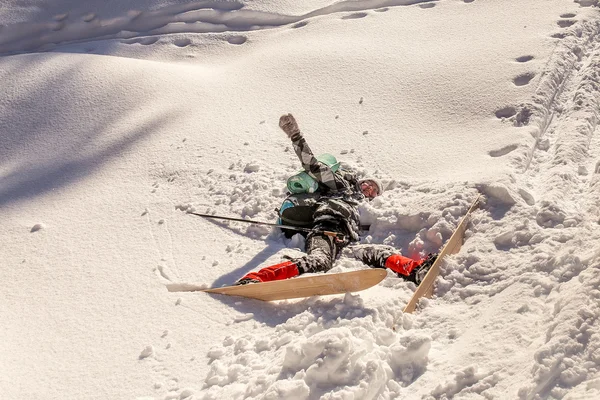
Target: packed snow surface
point(118, 118)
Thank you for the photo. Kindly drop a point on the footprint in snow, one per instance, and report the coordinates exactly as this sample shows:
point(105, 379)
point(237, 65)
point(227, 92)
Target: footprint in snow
point(143, 41)
point(503, 151)
point(524, 59)
point(427, 5)
point(237, 39)
point(300, 24)
point(523, 79)
point(182, 42)
point(506, 112)
point(89, 17)
point(519, 117)
point(148, 41)
point(565, 23)
point(355, 15)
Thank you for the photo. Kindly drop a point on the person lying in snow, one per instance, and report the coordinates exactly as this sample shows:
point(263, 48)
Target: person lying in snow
point(336, 210)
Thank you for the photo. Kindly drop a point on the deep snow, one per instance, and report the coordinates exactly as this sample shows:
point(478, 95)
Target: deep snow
point(118, 117)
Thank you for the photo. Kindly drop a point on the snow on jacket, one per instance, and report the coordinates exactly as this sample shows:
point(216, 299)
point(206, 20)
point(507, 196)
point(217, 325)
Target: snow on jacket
point(339, 191)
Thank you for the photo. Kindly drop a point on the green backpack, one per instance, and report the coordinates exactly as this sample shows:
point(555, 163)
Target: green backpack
point(299, 206)
point(304, 182)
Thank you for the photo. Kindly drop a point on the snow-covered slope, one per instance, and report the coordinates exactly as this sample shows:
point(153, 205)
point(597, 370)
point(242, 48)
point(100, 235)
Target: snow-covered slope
point(118, 117)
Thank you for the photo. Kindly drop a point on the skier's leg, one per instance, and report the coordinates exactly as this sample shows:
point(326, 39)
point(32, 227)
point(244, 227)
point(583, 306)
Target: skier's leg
point(382, 256)
point(374, 255)
point(321, 251)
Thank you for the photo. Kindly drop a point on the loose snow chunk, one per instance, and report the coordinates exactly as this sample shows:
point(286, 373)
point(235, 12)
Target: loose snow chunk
point(338, 357)
point(37, 227)
point(288, 389)
point(385, 336)
point(252, 167)
point(216, 353)
point(244, 317)
point(323, 355)
point(409, 357)
point(147, 352)
point(186, 393)
point(435, 237)
point(499, 192)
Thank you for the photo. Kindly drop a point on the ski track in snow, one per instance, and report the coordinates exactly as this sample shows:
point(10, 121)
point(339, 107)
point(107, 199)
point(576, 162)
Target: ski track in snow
point(562, 173)
point(145, 27)
point(553, 225)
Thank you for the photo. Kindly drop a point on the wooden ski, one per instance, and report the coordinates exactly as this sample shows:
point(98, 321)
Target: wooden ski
point(453, 246)
point(315, 285)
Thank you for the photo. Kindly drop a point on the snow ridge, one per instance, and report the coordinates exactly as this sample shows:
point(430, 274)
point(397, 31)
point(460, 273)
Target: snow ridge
point(562, 172)
point(556, 196)
point(193, 17)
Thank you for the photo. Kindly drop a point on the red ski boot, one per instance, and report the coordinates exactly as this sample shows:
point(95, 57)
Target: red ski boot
point(276, 272)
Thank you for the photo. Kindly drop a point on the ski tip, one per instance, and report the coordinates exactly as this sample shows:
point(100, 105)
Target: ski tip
point(186, 287)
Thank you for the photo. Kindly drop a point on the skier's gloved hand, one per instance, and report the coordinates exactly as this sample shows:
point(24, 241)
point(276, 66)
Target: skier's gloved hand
point(289, 125)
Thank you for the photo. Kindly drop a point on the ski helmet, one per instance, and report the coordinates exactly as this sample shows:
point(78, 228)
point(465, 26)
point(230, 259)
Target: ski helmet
point(376, 182)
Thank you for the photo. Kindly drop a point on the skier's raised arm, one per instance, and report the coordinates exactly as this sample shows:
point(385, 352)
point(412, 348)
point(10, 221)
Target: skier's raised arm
point(321, 171)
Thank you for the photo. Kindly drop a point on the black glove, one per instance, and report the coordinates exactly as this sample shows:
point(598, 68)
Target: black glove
point(289, 125)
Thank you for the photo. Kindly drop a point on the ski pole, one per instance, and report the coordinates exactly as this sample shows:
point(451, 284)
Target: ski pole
point(290, 227)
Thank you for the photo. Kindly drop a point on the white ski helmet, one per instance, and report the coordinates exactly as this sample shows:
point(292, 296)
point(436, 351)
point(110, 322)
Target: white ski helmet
point(376, 182)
